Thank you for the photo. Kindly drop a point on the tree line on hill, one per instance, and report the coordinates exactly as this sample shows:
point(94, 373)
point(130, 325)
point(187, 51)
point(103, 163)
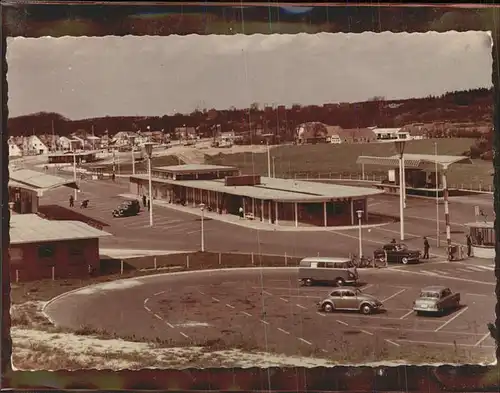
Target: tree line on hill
point(470, 106)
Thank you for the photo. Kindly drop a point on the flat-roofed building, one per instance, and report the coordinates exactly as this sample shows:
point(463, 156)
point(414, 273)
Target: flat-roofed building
point(225, 190)
point(41, 248)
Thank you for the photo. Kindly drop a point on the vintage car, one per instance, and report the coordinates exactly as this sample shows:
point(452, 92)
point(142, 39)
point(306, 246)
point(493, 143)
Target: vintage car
point(396, 253)
point(127, 209)
point(436, 300)
point(351, 299)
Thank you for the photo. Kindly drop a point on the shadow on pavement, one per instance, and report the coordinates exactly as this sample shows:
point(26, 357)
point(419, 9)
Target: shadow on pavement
point(56, 212)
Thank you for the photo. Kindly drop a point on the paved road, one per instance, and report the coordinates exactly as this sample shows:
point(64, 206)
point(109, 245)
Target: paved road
point(174, 230)
point(266, 310)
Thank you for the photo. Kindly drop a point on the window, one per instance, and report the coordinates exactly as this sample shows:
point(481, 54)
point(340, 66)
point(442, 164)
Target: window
point(321, 264)
point(335, 294)
point(348, 294)
point(46, 251)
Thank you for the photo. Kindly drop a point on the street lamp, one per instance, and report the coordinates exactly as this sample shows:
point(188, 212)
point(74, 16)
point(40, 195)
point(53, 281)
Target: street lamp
point(268, 159)
point(202, 208)
point(360, 216)
point(274, 166)
point(148, 147)
point(132, 143)
point(73, 146)
point(400, 147)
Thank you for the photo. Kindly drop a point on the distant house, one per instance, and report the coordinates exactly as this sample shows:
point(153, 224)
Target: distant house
point(334, 134)
point(391, 134)
point(122, 138)
point(36, 146)
point(185, 132)
point(64, 143)
point(359, 135)
point(312, 132)
point(14, 149)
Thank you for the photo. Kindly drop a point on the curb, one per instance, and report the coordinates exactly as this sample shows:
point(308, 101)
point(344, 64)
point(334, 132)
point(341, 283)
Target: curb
point(272, 229)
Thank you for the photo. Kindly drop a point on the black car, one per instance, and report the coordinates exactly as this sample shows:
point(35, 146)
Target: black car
point(397, 253)
point(127, 209)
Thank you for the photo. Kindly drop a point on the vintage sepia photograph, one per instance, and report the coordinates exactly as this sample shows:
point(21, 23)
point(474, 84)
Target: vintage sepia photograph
point(251, 200)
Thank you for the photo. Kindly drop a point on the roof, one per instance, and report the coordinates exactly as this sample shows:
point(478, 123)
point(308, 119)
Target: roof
point(481, 224)
point(326, 259)
point(419, 161)
point(192, 168)
point(433, 288)
point(35, 180)
point(281, 190)
point(31, 228)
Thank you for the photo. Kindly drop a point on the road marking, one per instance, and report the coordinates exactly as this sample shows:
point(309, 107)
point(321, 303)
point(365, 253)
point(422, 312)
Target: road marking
point(366, 287)
point(147, 300)
point(170, 325)
point(482, 339)
point(319, 313)
point(247, 314)
point(157, 316)
point(267, 323)
point(366, 332)
point(147, 308)
point(392, 296)
point(429, 273)
point(482, 267)
point(343, 323)
point(215, 299)
point(408, 313)
point(480, 294)
point(392, 342)
point(305, 341)
point(283, 299)
point(463, 270)
point(441, 272)
point(203, 293)
point(283, 331)
point(442, 343)
point(434, 220)
point(451, 319)
point(185, 335)
point(448, 277)
point(474, 268)
point(267, 293)
point(195, 231)
point(301, 306)
point(159, 293)
point(228, 305)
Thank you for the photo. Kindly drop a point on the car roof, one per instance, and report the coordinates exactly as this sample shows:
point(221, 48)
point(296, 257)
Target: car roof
point(433, 288)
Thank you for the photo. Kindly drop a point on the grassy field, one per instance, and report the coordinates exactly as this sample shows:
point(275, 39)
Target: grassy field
point(341, 159)
point(126, 168)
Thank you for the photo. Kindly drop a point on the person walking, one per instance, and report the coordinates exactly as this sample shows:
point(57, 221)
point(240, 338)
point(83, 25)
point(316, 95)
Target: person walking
point(149, 204)
point(469, 245)
point(241, 212)
point(144, 201)
point(393, 241)
point(426, 248)
point(113, 176)
point(71, 201)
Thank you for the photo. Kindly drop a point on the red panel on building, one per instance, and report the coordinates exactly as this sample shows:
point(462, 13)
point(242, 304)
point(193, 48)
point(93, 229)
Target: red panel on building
point(243, 180)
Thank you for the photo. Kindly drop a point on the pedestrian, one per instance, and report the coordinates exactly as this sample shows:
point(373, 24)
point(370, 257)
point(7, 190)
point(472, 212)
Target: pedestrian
point(393, 241)
point(144, 200)
point(149, 204)
point(469, 245)
point(426, 248)
point(113, 176)
point(241, 212)
point(71, 201)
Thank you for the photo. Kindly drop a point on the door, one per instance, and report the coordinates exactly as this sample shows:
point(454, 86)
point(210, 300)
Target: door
point(349, 299)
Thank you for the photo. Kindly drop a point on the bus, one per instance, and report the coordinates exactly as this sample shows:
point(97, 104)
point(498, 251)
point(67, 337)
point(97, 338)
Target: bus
point(316, 270)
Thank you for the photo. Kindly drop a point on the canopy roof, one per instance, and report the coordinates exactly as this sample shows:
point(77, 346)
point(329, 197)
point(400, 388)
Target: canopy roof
point(417, 161)
point(38, 181)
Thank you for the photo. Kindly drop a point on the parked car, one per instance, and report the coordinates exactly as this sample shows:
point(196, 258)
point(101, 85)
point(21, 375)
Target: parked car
point(397, 253)
point(436, 300)
point(338, 271)
point(127, 209)
point(350, 299)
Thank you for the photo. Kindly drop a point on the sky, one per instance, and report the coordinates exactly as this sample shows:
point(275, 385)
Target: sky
point(82, 77)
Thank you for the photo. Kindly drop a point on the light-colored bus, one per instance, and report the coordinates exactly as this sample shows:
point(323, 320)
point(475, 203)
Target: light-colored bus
point(339, 271)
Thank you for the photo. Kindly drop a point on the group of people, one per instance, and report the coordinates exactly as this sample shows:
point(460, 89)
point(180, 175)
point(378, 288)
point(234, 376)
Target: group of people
point(451, 250)
point(83, 205)
point(146, 202)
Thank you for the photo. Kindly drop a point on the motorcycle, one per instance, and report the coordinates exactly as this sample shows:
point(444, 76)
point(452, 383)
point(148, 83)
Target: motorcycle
point(84, 204)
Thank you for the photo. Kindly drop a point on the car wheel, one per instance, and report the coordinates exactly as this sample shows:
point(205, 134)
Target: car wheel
point(308, 282)
point(339, 282)
point(366, 309)
point(328, 307)
point(404, 261)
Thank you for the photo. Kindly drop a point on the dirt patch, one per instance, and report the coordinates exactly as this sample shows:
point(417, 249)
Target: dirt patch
point(56, 212)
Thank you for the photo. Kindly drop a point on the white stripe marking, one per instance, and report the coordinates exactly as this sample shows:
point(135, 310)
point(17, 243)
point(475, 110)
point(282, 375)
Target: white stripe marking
point(392, 342)
point(392, 296)
point(147, 300)
point(247, 314)
point(474, 268)
point(343, 323)
point(442, 343)
point(147, 308)
point(157, 316)
point(283, 331)
point(169, 325)
point(301, 306)
point(366, 332)
point(323, 315)
point(267, 323)
point(267, 293)
point(429, 273)
point(441, 272)
point(215, 299)
point(451, 319)
point(482, 339)
point(228, 305)
point(491, 268)
point(408, 313)
point(305, 341)
point(283, 299)
point(159, 293)
point(185, 335)
point(463, 270)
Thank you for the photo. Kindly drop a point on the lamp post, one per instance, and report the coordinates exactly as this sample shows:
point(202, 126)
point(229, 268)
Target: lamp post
point(132, 144)
point(437, 192)
point(268, 159)
point(202, 208)
point(400, 147)
point(74, 167)
point(148, 147)
point(274, 166)
point(360, 216)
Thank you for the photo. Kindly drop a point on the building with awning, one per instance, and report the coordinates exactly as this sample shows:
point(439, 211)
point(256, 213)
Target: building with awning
point(419, 172)
point(26, 186)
